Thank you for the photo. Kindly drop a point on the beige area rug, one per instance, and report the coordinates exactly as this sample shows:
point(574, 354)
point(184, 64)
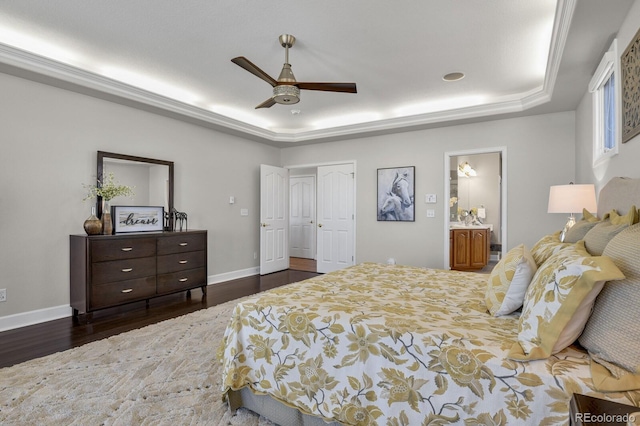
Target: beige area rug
point(162, 374)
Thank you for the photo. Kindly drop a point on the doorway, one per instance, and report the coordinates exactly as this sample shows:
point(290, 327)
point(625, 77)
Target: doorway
point(302, 215)
point(324, 213)
point(302, 220)
point(329, 243)
point(476, 181)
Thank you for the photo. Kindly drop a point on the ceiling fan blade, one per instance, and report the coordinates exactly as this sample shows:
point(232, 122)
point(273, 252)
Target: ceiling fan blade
point(267, 104)
point(253, 69)
point(328, 87)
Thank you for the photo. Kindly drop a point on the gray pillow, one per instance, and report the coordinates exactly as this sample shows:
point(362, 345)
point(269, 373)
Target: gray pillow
point(612, 332)
point(578, 231)
point(599, 236)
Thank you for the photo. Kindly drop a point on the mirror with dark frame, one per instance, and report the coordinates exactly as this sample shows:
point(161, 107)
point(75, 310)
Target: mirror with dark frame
point(151, 179)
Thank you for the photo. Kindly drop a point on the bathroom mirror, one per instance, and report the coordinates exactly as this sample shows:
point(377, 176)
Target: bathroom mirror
point(453, 194)
point(151, 179)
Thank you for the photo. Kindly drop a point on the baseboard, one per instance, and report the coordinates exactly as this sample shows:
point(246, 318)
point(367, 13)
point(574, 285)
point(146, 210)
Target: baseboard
point(24, 319)
point(233, 275)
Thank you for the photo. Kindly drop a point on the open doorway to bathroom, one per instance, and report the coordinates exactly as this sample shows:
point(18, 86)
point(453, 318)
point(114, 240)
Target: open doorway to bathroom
point(476, 188)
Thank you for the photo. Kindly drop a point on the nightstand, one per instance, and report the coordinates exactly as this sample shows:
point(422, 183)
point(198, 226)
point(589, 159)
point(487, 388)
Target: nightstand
point(587, 410)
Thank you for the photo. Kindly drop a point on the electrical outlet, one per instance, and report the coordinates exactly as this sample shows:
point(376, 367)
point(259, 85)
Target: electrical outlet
point(3, 294)
point(255, 254)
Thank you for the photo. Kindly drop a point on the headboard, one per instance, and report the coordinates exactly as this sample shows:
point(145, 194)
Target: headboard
point(619, 193)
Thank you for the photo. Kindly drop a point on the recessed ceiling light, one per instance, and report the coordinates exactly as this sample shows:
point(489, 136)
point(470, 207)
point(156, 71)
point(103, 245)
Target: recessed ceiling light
point(295, 111)
point(453, 76)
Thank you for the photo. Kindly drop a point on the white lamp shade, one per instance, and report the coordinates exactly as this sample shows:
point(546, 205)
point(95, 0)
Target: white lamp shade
point(572, 198)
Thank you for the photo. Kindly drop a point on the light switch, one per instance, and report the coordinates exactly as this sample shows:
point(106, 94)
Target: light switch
point(232, 199)
point(431, 213)
point(430, 199)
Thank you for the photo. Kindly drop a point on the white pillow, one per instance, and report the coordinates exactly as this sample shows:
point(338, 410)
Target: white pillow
point(509, 280)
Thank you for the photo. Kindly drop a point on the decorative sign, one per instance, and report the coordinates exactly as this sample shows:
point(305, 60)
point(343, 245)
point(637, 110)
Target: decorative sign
point(137, 218)
point(630, 67)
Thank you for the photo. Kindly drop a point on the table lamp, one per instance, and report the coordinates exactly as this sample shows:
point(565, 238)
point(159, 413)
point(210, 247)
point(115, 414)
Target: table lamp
point(571, 199)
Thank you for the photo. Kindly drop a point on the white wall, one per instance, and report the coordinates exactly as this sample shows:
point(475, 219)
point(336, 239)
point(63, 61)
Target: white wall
point(626, 162)
point(49, 138)
point(540, 152)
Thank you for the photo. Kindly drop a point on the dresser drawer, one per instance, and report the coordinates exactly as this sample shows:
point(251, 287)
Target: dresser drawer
point(120, 270)
point(122, 248)
point(116, 293)
point(180, 261)
point(182, 280)
point(180, 243)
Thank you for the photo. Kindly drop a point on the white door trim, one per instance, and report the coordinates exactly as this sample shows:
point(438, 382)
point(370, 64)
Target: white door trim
point(447, 194)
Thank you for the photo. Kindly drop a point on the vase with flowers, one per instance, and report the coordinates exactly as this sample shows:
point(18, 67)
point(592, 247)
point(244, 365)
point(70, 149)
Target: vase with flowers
point(107, 189)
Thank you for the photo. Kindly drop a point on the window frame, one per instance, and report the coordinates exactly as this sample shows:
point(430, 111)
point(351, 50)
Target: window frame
point(609, 66)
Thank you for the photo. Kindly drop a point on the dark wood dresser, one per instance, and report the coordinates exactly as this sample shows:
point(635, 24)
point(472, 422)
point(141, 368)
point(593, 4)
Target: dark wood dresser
point(111, 270)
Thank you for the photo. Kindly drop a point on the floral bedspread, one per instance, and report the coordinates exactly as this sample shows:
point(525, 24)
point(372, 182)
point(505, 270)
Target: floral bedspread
point(397, 345)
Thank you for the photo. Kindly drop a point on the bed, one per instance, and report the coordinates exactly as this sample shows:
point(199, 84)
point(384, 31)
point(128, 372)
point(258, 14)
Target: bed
point(401, 345)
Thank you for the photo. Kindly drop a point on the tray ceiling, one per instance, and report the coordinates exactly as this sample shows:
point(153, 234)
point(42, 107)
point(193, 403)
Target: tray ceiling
point(175, 58)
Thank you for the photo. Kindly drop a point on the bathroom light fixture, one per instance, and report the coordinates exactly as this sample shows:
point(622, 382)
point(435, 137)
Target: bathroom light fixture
point(465, 169)
point(571, 199)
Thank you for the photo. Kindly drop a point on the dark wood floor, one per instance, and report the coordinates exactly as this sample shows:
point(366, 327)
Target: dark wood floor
point(38, 340)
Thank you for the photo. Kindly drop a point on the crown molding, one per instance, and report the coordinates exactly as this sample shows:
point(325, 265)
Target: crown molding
point(64, 75)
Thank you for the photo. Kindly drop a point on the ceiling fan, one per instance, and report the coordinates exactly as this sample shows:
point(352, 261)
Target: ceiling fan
point(286, 90)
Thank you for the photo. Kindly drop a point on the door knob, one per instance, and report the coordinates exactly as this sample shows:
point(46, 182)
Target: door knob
point(319, 225)
point(310, 221)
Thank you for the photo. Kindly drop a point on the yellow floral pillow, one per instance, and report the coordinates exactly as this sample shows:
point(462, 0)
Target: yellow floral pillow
point(546, 247)
point(559, 300)
point(509, 280)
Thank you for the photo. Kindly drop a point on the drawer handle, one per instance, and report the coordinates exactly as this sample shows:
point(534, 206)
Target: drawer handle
point(182, 262)
point(127, 270)
point(183, 280)
point(126, 248)
point(128, 290)
point(184, 244)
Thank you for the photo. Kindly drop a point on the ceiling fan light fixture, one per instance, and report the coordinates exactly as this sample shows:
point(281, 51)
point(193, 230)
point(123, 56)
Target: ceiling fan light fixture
point(286, 90)
point(286, 95)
